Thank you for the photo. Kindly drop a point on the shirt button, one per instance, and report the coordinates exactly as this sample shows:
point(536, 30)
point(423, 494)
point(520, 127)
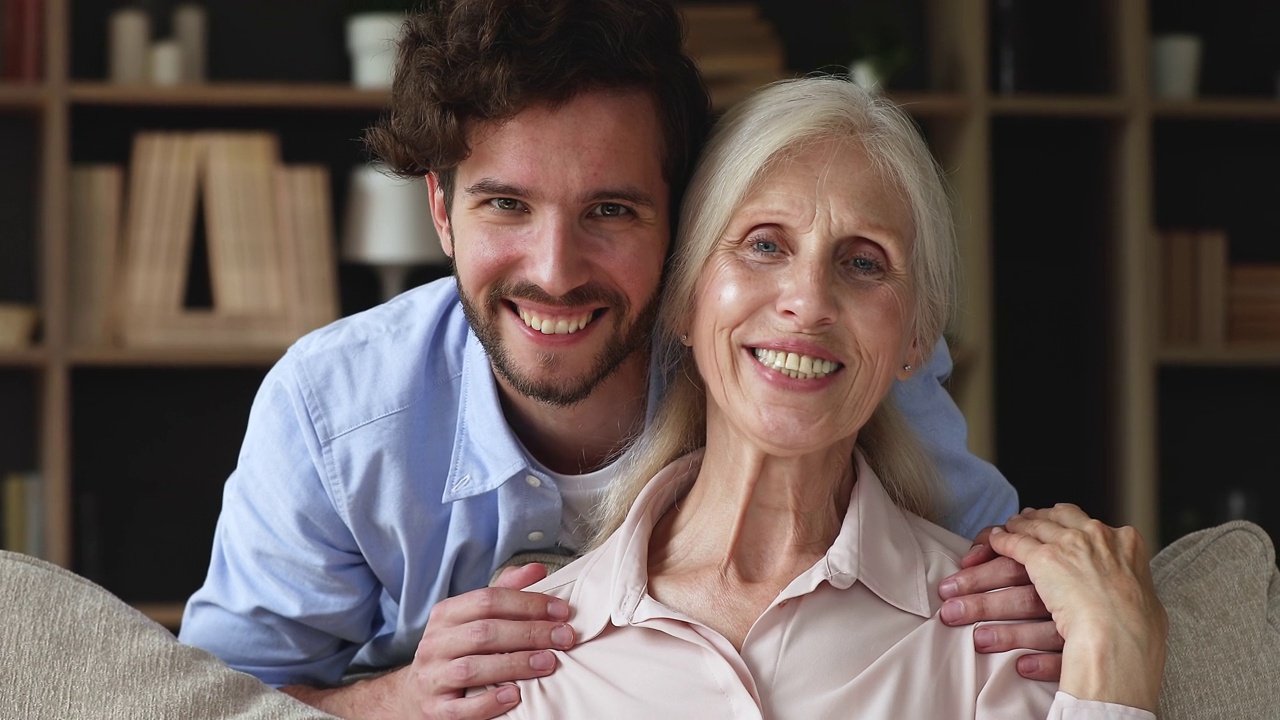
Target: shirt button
point(533, 481)
point(536, 536)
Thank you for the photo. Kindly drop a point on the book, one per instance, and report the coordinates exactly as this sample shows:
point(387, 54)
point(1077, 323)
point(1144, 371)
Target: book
point(1211, 260)
point(1253, 304)
point(97, 194)
point(1178, 286)
point(306, 235)
point(23, 40)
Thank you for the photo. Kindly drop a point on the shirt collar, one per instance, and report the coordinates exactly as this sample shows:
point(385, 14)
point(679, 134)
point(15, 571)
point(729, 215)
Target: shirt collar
point(485, 451)
point(876, 545)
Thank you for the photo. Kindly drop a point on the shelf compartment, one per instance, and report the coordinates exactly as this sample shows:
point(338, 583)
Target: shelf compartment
point(232, 95)
point(151, 451)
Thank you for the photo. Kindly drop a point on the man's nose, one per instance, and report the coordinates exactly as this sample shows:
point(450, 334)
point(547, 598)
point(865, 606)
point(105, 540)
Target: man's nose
point(557, 260)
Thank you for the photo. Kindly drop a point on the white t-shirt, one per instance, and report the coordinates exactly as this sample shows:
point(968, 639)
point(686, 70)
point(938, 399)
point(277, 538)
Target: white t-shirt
point(578, 494)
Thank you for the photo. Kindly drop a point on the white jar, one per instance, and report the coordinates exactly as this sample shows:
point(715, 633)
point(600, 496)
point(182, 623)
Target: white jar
point(371, 43)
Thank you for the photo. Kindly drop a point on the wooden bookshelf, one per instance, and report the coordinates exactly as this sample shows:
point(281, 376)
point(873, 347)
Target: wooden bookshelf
point(174, 357)
point(1256, 356)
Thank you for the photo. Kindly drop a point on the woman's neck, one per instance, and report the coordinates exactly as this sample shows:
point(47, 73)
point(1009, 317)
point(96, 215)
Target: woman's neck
point(751, 523)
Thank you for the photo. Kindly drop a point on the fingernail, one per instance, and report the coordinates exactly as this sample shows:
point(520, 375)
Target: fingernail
point(975, 550)
point(997, 530)
point(952, 611)
point(1028, 664)
point(984, 638)
point(558, 610)
point(508, 694)
point(542, 661)
point(948, 588)
point(562, 636)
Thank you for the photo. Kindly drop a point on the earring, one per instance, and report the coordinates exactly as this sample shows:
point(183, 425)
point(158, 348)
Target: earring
point(684, 339)
point(906, 368)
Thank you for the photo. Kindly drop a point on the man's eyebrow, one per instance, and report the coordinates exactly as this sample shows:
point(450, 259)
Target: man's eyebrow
point(629, 194)
point(489, 186)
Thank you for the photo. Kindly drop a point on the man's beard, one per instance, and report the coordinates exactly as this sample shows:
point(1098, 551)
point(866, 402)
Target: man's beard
point(562, 392)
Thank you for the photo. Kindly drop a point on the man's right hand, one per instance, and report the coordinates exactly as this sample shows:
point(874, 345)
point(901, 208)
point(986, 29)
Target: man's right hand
point(493, 635)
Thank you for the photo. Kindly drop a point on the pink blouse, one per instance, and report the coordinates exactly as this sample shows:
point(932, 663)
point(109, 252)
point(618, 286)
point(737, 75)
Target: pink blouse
point(855, 636)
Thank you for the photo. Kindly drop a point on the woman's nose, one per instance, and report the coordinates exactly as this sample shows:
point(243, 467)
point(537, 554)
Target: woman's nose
point(806, 294)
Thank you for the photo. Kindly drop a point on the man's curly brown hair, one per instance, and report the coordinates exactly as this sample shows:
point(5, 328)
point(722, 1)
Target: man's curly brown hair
point(463, 61)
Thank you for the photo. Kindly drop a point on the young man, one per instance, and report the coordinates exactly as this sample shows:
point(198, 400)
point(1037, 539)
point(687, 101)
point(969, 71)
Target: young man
point(394, 459)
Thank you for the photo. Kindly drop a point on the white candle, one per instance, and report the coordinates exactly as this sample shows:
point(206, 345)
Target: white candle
point(166, 63)
point(189, 28)
point(128, 44)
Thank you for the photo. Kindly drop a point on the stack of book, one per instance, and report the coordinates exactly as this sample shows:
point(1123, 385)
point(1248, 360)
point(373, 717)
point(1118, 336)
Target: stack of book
point(735, 48)
point(1253, 304)
point(1194, 287)
point(1209, 303)
point(268, 235)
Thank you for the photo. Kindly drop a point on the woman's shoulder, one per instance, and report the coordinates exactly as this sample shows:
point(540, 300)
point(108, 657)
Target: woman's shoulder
point(941, 548)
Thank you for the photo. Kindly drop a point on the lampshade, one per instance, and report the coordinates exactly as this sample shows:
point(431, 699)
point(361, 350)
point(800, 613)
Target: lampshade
point(388, 225)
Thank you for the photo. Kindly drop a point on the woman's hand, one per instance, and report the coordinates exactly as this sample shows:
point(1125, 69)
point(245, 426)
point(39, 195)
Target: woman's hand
point(1096, 582)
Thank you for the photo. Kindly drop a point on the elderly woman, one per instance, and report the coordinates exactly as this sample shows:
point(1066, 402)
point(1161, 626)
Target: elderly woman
point(768, 551)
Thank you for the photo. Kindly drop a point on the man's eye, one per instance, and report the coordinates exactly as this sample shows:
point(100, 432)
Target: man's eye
point(507, 204)
point(612, 210)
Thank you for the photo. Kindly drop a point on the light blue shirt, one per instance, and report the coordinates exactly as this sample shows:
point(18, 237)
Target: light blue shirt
point(378, 476)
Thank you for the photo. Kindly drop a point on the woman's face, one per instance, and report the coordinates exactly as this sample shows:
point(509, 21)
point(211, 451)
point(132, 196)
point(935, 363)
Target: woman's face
point(802, 311)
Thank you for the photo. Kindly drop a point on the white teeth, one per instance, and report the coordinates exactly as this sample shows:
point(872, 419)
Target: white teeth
point(803, 367)
point(554, 326)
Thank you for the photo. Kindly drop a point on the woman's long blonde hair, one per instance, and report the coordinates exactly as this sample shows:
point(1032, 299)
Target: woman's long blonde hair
point(776, 121)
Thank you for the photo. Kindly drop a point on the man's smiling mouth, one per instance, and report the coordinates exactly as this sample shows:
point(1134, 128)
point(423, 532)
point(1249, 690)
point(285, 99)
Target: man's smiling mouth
point(555, 324)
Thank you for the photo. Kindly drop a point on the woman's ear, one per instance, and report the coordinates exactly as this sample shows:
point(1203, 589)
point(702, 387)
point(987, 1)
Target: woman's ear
point(912, 362)
point(440, 213)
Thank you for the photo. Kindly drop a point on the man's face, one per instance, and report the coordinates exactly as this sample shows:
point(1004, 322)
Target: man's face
point(558, 229)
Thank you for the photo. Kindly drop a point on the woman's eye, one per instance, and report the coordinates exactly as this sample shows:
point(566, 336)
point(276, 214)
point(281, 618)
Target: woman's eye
point(506, 204)
point(865, 265)
point(765, 246)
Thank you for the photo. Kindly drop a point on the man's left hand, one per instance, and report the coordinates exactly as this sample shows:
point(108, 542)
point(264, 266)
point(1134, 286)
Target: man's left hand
point(968, 599)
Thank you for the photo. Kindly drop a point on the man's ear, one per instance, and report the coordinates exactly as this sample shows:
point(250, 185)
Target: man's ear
point(440, 213)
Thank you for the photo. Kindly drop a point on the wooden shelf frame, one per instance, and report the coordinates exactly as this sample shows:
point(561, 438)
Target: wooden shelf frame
point(230, 95)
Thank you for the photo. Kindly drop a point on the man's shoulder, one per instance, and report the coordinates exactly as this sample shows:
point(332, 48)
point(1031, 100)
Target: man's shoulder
point(405, 351)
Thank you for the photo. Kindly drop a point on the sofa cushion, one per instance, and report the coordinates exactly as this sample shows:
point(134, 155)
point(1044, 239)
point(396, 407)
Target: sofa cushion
point(1221, 589)
point(72, 650)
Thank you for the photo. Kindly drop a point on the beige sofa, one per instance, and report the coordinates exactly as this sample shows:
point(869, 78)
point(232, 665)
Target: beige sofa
point(70, 649)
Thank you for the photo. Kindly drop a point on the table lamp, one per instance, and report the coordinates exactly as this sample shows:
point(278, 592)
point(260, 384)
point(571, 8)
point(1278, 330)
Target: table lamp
point(388, 225)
